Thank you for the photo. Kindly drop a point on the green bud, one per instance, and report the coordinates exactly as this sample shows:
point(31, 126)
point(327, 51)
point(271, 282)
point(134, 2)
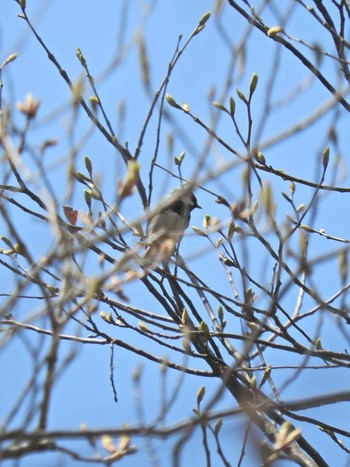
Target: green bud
point(220, 313)
point(261, 158)
point(325, 157)
point(203, 327)
point(198, 29)
point(219, 106)
point(94, 101)
point(88, 164)
point(266, 375)
point(53, 290)
point(92, 286)
point(81, 58)
point(306, 228)
point(184, 317)
point(87, 196)
point(230, 230)
point(94, 194)
point(103, 315)
point(9, 59)
point(232, 107)
point(110, 318)
point(274, 30)
point(81, 177)
point(218, 426)
point(178, 160)
point(200, 394)
point(143, 327)
point(172, 101)
point(18, 248)
point(127, 187)
point(204, 18)
point(292, 188)
point(199, 231)
point(253, 83)
point(206, 221)
point(241, 95)
point(318, 344)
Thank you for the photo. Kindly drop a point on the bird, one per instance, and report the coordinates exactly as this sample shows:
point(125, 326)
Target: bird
point(168, 226)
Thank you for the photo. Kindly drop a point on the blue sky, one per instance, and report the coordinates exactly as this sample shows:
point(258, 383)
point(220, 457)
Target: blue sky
point(83, 393)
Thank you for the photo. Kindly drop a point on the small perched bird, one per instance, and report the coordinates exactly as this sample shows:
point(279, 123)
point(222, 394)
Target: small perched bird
point(168, 226)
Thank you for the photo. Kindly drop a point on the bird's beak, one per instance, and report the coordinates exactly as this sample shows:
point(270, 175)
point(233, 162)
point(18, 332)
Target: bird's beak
point(197, 206)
